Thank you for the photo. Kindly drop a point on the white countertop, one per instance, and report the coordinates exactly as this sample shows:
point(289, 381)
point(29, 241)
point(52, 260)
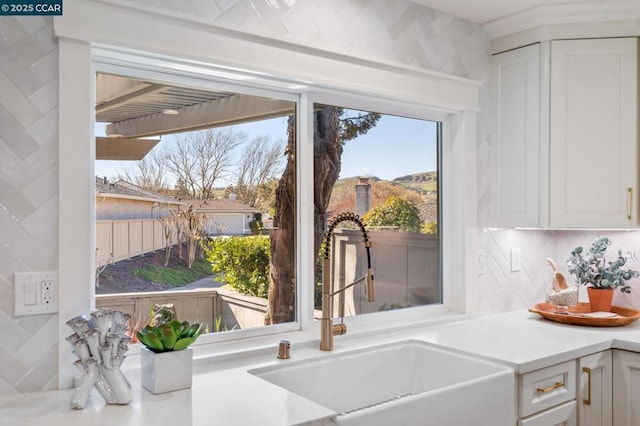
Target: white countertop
point(224, 393)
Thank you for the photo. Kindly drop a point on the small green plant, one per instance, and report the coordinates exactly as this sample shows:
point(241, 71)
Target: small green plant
point(171, 336)
point(241, 262)
point(592, 268)
point(165, 333)
point(220, 326)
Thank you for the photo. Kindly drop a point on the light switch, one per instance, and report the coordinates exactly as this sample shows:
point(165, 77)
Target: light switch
point(516, 259)
point(30, 293)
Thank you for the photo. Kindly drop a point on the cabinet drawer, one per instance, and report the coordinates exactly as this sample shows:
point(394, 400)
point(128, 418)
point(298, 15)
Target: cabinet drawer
point(563, 415)
point(547, 387)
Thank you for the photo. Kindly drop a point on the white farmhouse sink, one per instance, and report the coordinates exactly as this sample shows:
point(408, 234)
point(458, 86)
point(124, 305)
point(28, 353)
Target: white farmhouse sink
point(403, 383)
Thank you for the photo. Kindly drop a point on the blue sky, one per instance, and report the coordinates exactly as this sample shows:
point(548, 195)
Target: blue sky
point(395, 147)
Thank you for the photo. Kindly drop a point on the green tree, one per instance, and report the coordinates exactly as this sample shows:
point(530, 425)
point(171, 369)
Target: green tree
point(395, 212)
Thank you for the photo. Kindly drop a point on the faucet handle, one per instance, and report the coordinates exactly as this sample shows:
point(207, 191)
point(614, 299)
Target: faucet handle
point(370, 288)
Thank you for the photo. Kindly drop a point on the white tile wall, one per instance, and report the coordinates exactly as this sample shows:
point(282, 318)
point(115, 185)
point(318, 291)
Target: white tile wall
point(28, 195)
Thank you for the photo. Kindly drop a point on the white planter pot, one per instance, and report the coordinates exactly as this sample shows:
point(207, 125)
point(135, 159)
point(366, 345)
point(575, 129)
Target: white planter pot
point(166, 371)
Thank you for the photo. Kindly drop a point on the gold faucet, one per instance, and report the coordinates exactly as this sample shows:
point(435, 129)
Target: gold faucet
point(327, 328)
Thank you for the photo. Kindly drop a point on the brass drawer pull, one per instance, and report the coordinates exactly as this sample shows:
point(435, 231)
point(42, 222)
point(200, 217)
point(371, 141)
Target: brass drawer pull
point(550, 388)
point(630, 204)
point(587, 401)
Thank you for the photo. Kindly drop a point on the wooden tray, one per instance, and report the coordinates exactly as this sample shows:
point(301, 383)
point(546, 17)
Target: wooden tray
point(576, 315)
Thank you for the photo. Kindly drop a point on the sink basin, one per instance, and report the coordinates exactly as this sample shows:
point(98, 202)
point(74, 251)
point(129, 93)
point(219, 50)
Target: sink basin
point(405, 382)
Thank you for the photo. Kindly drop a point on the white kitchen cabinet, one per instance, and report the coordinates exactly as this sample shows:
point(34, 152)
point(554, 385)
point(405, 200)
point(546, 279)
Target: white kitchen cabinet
point(595, 390)
point(515, 143)
point(593, 133)
point(576, 392)
point(565, 134)
point(626, 388)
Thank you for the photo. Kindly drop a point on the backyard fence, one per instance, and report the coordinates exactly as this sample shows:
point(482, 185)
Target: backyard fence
point(197, 305)
point(123, 239)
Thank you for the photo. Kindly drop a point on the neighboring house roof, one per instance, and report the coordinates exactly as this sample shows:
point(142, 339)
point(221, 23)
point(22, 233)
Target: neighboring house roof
point(123, 189)
point(224, 205)
point(428, 211)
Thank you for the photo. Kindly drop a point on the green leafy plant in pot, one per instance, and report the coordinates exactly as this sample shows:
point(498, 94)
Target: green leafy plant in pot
point(171, 336)
point(602, 277)
point(166, 359)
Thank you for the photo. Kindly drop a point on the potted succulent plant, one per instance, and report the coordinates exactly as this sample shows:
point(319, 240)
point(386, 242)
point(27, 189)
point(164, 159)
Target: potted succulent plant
point(601, 276)
point(166, 358)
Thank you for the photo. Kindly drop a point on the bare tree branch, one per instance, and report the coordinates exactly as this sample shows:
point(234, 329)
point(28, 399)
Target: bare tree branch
point(199, 159)
point(260, 162)
point(148, 173)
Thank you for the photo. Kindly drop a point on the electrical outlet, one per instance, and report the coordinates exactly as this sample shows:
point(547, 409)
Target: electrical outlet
point(35, 293)
point(47, 292)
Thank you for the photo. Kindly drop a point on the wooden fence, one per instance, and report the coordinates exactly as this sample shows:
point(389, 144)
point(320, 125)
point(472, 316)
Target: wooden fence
point(199, 305)
point(405, 268)
point(123, 239)
point(234, 310)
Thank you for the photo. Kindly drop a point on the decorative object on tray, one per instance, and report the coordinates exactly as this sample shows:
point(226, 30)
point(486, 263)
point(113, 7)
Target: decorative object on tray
point(166, 358)
point(582, 314)
point(100, 342)
point(601, 276)
point(560, 293)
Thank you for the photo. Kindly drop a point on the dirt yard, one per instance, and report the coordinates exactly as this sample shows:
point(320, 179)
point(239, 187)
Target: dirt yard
point(119, 278)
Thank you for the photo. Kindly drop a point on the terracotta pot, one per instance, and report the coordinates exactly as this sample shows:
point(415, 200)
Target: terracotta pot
point(600, 299)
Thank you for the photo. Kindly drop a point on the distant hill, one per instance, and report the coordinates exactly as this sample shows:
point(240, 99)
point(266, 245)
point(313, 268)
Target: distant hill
point(418, 177)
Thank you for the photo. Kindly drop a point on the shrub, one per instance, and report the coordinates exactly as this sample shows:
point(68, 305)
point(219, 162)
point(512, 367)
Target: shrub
point(395, 212)
point(241, 262)
point(430, 228)
point(256, 227)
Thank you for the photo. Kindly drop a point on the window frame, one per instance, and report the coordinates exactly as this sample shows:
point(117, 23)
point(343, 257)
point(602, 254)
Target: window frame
point(213, 83)
point(86, 32)
point(399, 109)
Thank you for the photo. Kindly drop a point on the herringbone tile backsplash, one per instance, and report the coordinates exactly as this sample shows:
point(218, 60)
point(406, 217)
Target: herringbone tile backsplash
point(502, 290)
point(28, 195)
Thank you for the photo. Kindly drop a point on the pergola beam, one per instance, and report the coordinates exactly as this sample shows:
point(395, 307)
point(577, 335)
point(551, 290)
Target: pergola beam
point(226, 111)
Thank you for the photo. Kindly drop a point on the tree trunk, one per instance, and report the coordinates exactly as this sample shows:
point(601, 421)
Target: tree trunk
point(327, 152)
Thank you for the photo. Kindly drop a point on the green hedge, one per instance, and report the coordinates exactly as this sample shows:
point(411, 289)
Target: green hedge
point(241, 262)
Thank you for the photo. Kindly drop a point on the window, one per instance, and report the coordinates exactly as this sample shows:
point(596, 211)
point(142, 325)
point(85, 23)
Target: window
point(190, 178)
point(385, 169)
point(265, 68)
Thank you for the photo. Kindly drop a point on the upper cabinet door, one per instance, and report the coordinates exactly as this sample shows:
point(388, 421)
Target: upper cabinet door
point(593, 133)
point(515, 153)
